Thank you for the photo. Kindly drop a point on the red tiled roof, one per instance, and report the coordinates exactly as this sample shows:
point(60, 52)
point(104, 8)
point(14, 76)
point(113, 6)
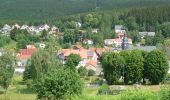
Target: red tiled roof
point(92, 63)
point(26, 53)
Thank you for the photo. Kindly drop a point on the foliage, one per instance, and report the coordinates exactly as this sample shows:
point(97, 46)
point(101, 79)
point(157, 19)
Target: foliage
point(41, 62)
point(112, 64)
point(82, 71)
point(165, 93)
point(69, 37)
point(4, 40)
point(22, 10)
point(7, 64)
point(91, 72)
point(29, 83)
point(156, 66)
point(103, 88)
point(59, 84)
point(139, 95)
point(73, 60)
point(133, 67)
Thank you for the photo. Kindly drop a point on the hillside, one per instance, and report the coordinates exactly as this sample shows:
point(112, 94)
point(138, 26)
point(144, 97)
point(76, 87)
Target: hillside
point(50, 9)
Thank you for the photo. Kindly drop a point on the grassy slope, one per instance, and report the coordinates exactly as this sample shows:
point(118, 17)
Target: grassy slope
point(17, 91)
point(49, 9)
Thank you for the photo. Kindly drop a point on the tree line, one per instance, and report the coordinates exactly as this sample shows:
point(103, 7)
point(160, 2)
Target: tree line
point(135, 66)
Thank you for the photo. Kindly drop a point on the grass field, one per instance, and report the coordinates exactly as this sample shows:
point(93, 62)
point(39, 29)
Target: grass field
point(17, 91)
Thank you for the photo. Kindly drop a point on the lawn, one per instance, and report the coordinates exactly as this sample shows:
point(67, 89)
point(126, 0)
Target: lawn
point(18, 91)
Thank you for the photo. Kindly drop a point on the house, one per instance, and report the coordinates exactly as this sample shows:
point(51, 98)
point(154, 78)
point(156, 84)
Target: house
point(94, 30)
point(120, 35)
point(143, 34)
point(116, 42)
point(54, 29)
point(91, 65)
point(42, 45)
point(78, 24)
point(25, 54)
point(33, 30)
point(88, 41)
point(119, 28)
point(6, 29)
point(144, 48)
point(85, 54)
point(16, 26)
point(44, 27)
point(24, 27)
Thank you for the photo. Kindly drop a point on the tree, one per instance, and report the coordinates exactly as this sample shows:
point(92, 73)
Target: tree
point(60, 84)
point(7, 64)
point(165, 29)
point(91, 72)
point(82, 71)
point(69, 37)
point(97, 39)
point(131, 24)
point(133, 68)
point(112, 64)
point(4, 40)
point(156, 66)
point(73, 60)
point(41, 63)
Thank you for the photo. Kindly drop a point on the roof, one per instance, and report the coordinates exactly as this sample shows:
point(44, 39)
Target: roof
point(92, 63)
point(144, 48)
point(81, 52)
point(26, 53)
point(119, 27)
point(147, 33)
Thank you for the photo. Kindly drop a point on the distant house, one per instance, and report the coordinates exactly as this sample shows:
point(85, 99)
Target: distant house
point(91, 65)
point(54, 29)
point(44, 27)
point(144, 48)
point(16, 26)
point(42, 45)
point(116, 42)
point(143, 34)
point(25, 54)
point(78, 25)
point(94, 30)
point(88, 41)
point(33, 30)
point(6, 29)
point(24, 27)
point(119, 28)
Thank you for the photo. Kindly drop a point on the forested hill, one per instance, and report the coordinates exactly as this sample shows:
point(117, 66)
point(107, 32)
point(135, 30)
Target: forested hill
point(49, 9)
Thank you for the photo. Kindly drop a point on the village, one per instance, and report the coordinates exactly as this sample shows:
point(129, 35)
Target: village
point(91, 57)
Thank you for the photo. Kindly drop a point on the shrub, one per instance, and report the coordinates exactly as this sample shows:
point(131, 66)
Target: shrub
point(138, 95)
point(60, 84)
point(29, 83)
point(104, 89)
point(82, 71)
point(165, 93)
point(91, 72)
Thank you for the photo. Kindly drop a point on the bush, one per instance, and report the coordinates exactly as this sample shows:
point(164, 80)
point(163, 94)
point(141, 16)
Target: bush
point(91, 72)
point(139, 95)
point(60, 84)
point(2, 90)
point(165, 93)
point(29, 83)
point(82, 71)
point(104, 89)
